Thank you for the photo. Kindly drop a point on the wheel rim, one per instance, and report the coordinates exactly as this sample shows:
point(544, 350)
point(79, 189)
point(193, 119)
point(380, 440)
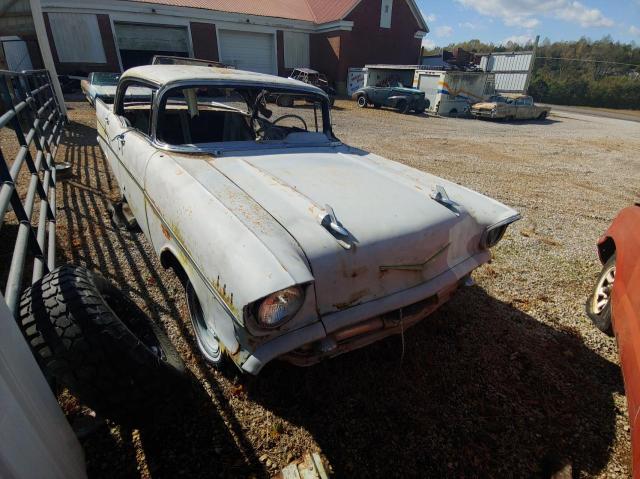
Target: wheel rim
point(129, 314)
point(602, 294)
point(362, 101)
point(207, 340)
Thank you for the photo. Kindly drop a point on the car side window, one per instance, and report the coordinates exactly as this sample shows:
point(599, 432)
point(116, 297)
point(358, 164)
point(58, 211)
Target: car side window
point(137, 101)
point(520, 102)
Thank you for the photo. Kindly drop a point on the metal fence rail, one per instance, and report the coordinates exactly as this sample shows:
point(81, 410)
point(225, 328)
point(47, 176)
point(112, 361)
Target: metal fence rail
point(29, 107)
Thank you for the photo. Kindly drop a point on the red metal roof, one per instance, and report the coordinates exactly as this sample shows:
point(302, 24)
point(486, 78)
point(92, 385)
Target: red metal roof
point(331, 10)
point(317, 11)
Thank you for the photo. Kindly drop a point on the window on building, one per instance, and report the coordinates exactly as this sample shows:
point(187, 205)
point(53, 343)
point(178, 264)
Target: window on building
point(385, 13)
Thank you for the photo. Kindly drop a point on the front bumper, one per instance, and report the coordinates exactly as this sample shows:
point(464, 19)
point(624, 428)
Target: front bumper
point(361, 325)
point(483, 113)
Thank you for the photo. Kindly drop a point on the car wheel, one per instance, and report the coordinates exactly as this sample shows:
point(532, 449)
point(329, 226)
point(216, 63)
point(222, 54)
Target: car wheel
point(207, 340)
point(88, 336)
point(543, 116)
point(453, 112)
point(599, 303)
point(402, 106)
point(420, 111)
point(362, 101)
point(332, 100)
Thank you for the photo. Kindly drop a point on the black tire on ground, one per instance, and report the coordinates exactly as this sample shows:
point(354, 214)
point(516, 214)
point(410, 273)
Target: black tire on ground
point(542, 116)
point(362, 101)
point(599, 303)
point(420, 110)
point(94, 340)
point(453, 113)
point(332, 100)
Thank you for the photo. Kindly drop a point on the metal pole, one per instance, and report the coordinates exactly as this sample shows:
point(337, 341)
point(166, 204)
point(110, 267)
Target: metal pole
point(45, 50)
point(531, 64)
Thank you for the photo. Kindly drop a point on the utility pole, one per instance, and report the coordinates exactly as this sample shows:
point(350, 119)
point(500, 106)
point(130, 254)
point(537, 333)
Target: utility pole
point(531, 64)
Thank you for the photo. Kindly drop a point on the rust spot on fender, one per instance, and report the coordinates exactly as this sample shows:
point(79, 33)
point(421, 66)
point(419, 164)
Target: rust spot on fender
point(165, 231)
point(353, 300)
point(225, 295)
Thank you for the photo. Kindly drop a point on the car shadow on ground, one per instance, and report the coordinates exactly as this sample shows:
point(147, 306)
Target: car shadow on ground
point(546, 121)
point(193, 433)
point(483, 388)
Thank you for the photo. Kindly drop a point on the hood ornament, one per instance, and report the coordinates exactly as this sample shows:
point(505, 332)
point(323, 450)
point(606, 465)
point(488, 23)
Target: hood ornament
point(330, 222)
point(440, 195)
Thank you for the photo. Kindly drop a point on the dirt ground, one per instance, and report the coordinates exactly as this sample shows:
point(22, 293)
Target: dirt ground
point(508, 379)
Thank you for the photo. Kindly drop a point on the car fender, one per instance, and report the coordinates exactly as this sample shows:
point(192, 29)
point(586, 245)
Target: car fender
point(215, 311)
point(241, 254)
point(395, 99)
point(358, 93)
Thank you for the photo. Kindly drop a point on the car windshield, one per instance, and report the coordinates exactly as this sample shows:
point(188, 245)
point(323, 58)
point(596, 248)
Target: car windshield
point(203, 114)
point(105, 79)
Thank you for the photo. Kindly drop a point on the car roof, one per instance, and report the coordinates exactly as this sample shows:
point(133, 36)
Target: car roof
point(164, 74)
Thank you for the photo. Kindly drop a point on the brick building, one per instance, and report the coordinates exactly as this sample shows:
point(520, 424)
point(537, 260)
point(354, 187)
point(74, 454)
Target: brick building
point(271, 36)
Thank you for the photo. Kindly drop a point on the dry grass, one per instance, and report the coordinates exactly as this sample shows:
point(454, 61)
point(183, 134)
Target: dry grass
point(508, 379)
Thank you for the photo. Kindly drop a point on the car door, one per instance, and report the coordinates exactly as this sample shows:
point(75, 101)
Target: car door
point(132, 144)
point(109, 126)
point(524, 108)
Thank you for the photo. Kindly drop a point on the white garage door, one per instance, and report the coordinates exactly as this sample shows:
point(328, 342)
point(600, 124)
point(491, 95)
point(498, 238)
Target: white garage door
point(248, 50)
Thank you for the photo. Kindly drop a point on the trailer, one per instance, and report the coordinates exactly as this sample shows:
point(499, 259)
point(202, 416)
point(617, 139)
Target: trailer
point(451, 93)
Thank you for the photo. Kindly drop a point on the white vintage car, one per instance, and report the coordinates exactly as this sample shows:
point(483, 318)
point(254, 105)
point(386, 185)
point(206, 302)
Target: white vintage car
point(290, 243)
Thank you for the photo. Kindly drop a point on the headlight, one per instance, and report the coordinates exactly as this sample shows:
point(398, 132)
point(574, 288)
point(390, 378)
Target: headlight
point(493, 235)
point(278, 308)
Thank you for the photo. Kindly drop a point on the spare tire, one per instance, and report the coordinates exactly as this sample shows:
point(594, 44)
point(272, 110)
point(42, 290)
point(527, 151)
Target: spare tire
point(88, 336)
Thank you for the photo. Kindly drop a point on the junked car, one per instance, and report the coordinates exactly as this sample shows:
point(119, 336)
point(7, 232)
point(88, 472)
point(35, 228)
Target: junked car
point(100, 85)
point(312, 77)
point(290, 243)
point(517, 107)
point(614, 306)
point(392, 94)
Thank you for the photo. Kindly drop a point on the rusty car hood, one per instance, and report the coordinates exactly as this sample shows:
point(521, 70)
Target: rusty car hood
point(398, 235)
point(485, 106)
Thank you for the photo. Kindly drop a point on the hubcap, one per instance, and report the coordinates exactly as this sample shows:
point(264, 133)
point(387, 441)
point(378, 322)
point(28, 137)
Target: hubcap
point(206, 338)
point(602, 295)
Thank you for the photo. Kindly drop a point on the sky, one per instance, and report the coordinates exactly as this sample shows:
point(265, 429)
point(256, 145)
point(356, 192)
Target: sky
point(499, 21)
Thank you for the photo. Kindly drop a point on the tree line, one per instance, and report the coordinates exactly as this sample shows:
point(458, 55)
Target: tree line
point(573, 72)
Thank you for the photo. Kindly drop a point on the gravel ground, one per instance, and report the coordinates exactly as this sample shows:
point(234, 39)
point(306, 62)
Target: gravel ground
point(508, 379)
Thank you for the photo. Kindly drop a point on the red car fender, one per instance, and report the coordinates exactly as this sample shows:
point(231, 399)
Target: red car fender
point(623, 238)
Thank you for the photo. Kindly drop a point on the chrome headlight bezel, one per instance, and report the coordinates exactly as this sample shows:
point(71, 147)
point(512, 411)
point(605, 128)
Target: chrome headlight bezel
point(278, 308)
point(494, 233)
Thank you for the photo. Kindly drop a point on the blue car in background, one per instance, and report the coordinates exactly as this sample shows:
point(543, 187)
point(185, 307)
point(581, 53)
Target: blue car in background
point(100, 85)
